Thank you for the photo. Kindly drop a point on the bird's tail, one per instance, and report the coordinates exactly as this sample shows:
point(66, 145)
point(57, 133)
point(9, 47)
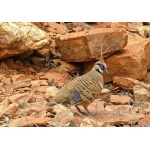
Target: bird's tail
point(51, 103)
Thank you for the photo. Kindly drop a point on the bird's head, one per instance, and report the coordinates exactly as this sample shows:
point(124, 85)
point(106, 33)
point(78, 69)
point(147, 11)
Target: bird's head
point(101, 67)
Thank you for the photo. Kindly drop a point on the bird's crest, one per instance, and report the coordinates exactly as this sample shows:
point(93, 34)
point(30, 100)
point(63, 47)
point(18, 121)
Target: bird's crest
point(101, 55)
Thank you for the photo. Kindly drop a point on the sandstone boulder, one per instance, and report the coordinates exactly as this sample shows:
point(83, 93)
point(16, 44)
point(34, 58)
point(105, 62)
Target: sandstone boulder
point(131, 62)
point(20, 37)
point(85, 45)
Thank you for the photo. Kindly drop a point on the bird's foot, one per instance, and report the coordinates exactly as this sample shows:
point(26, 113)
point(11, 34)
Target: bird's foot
point(83, 113)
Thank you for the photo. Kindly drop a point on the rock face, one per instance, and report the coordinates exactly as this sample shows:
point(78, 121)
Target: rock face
point(85, 45)
point(17, 38)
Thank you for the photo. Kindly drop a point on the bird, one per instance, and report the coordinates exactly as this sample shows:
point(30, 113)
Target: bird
point(84, 89)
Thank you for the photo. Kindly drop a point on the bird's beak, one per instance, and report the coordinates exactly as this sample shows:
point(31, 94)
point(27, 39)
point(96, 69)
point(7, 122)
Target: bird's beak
point(106, 71)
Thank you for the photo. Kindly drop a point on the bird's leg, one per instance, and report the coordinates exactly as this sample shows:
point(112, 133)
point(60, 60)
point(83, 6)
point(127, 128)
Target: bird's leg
point(89, 113)
point(87, 110)
point(85, 105)
point(79, 111)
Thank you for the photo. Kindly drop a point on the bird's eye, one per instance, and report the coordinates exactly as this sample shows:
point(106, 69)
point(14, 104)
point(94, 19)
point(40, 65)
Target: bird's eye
point(102, 67)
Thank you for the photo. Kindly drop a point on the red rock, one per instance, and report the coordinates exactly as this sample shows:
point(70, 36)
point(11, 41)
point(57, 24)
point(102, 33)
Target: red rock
point(19, 84)
point(21, 77)
point(147, 77)
point(28, 121)
point(41, 89)
point(2, 77)
point(51, 31)
point(126, 126)
point(144, 31)
point(37, 60)
point(141, 93)
point(1, 87)
point(2, 97)
point(82, 25)
point(40, 74)
point(131, 62)
point(7, 81)
point(22, 104)
point(119, 108)
point(109, 118)
point(136, 23)
point(35, 109)
point(145, 122)
point(40, 99)
point(11, 110)
point(105, 94)
point(60, 77)
point(59, 108)
point(94, 108)
point(146, 23)
point(129, 83)
point(146, 107)
point(15, 77)
point(85, 45)
point(51, 91)
point(32, 70)
point(118, 99)
point(60, 28)
point(77, 29)
point(72, 68)
point(5, 102)
point(26, 55)
point(89, 122)
point(123, 25)
point(43, 52)
point(20, 96)
point(35, 83)
point(24, 89)
point(62, 119)
point(38, 24)
point(88, 66)
point(21, 37)
point(101, 24)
